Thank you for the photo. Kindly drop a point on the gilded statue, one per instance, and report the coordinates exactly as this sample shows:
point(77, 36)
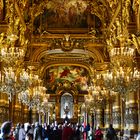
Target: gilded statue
point(136, 42)
point(136, 9)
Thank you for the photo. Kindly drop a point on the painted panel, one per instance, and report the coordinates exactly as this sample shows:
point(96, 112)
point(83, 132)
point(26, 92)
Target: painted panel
point(76, 76)
point(66, 14)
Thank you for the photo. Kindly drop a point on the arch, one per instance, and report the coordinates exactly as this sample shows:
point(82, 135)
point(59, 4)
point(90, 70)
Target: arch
point(42, 52)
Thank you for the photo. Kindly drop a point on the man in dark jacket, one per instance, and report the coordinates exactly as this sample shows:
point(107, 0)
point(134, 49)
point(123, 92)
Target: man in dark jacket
point(111, 133)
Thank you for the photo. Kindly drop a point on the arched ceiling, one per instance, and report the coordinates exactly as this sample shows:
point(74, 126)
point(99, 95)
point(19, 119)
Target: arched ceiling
point(67, 32)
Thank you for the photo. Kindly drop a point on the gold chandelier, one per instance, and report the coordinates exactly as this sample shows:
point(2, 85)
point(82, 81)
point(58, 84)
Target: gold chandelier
point(123, 76)
point(12, 82)
point(35, 92)
point(98, 97)
point(11, 51)
point(13, 78)
point(44, 106)
point(10, 54)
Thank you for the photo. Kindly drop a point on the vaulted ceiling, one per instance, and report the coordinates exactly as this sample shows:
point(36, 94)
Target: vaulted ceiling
point(67, 34)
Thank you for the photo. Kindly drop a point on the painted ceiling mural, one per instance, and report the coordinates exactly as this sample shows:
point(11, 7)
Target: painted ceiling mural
point(57, 76)
point(67, 14)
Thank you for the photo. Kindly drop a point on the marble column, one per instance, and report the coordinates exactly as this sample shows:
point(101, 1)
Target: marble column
point(17, 111)
point(99, 118)
point(34, 115)
point(26, 114)
point(131, 116)
point(58, 108)
point(116, 113)
point(107, 116)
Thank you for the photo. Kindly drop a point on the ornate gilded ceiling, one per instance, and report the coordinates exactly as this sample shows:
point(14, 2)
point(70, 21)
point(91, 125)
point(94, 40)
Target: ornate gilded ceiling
point(66, 32)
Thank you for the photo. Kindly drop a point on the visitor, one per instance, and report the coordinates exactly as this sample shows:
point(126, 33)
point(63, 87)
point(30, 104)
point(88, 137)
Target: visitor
point(16, 132)
point(29, 133)
point(59, 132)
point(22, 133)
point(67, 132)
point(111, 133)
point(37, 135)
point(49, 133)
point(5, 131)
point(138, 137)
point(98, 134)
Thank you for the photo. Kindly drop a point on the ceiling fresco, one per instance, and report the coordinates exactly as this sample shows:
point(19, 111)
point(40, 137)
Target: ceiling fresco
point(68, 77)
point(66, 14)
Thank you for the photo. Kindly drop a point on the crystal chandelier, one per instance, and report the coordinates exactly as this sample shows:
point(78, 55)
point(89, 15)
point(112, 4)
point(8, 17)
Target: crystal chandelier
point(33, 96)
point(13, 79)
point(10, 54)
point(123, 76)
point(44, 106)
point(12, 82)
point(95, 98)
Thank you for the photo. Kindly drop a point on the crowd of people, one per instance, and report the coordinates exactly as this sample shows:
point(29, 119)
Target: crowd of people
point(27, 131)
point(66, 131)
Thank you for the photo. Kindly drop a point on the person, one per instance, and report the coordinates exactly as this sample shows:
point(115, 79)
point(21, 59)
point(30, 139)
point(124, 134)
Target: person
point(29, 133)
point(138, 137)
point(111, 133)
point(22, 133)
point(37, 135)
point(87, 130)
point(67, 132)
point(98, 134)
point(5, 131)
point(16, 132)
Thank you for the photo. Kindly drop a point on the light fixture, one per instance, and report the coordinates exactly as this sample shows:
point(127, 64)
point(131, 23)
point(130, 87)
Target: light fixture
point(44, 106)
point(98, 97)
point(33, 96)
point(10, 52)
point(12, 82)
point(123, 76)
point(13, 79)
